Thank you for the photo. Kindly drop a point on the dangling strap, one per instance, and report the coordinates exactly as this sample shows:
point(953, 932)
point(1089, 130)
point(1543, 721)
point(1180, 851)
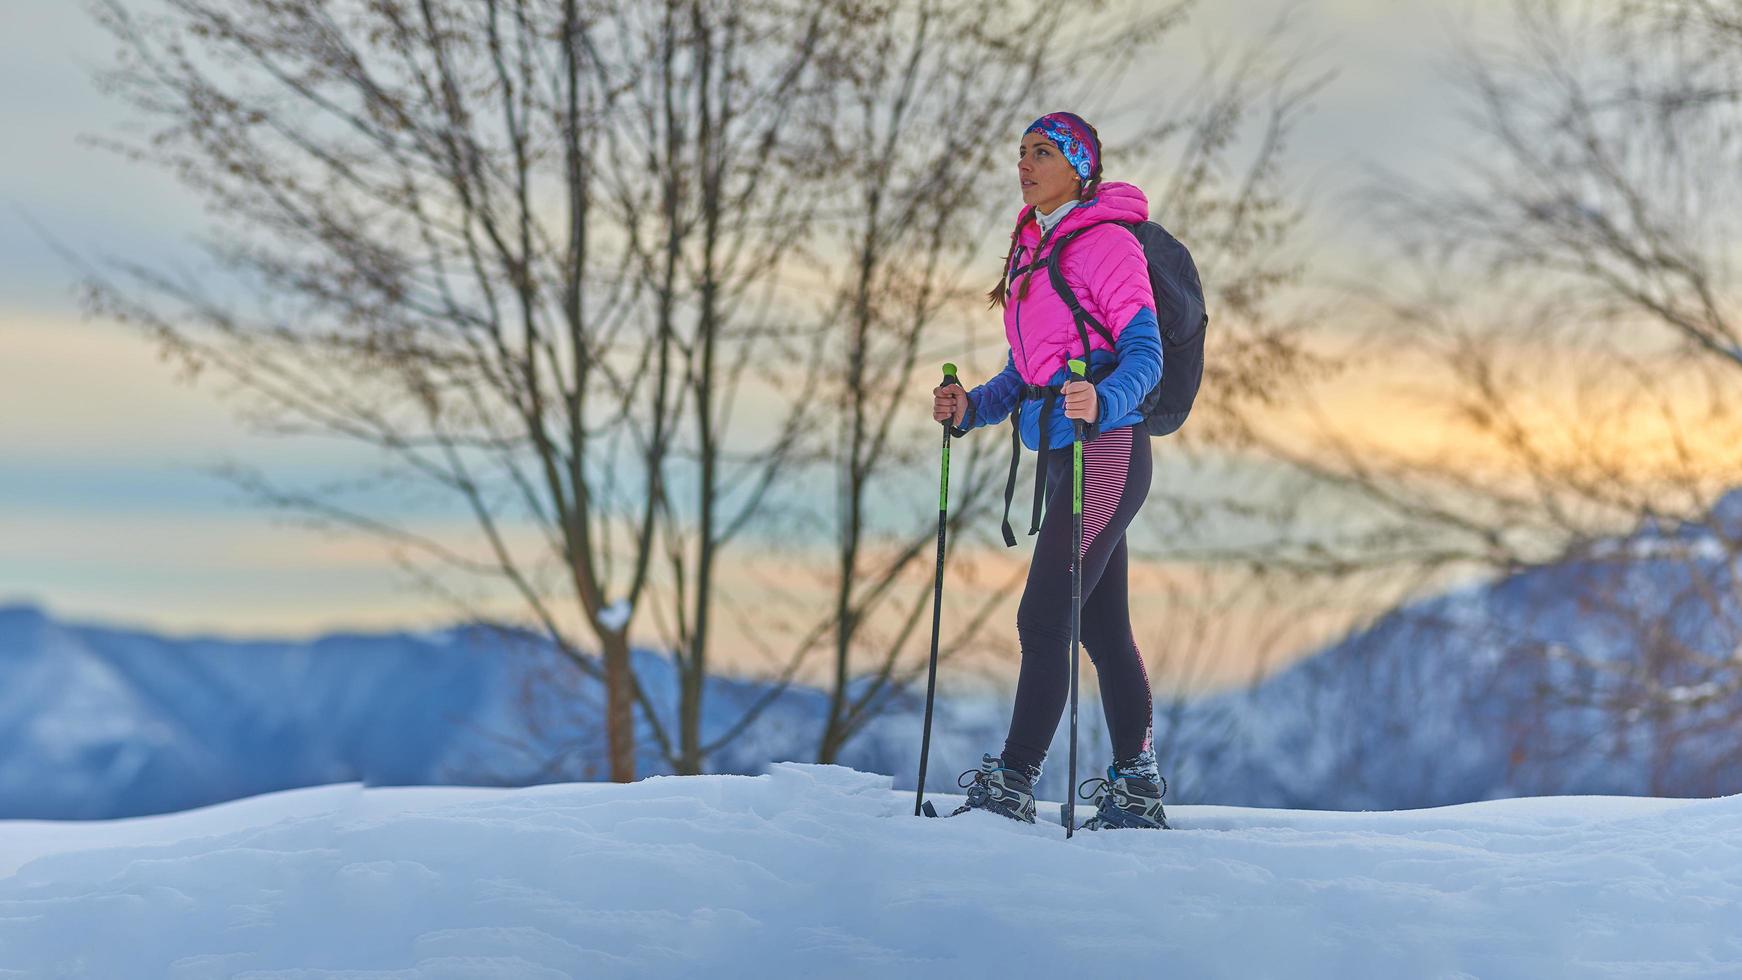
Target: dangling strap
point(1048, 397)
point(1040, 466)
point(1010, 484)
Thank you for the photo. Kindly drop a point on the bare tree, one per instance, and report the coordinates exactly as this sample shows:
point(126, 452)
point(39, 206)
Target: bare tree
point(1569, 336)
point(734, 196)
point(533, 256)
point(489, 243)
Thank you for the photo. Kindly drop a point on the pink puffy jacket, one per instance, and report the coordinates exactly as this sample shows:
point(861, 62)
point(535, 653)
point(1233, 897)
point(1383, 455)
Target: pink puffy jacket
point(1106, 269)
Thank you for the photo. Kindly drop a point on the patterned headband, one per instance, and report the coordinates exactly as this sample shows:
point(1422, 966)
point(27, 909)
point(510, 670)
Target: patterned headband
point(1071, 135)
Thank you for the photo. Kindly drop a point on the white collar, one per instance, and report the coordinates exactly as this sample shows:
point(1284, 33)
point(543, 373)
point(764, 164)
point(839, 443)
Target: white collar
point(1050, 221)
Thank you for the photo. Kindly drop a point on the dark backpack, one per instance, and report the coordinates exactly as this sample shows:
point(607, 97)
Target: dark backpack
point(1179, 311)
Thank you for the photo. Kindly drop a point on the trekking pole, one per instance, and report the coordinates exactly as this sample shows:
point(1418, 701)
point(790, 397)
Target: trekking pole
point(1077, 368)
point(937, 601)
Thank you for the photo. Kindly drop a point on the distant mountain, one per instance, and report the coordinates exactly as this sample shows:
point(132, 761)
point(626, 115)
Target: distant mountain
point(102, 722)
point(99, 722)
point(1618, 671)
point(1530, 685)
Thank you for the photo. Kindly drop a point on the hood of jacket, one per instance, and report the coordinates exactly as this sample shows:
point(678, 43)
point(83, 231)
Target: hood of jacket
point(1116, 201)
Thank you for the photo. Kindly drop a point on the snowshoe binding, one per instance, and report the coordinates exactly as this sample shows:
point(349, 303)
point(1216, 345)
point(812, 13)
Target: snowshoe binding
point(1125, 801)
point(1006, 792)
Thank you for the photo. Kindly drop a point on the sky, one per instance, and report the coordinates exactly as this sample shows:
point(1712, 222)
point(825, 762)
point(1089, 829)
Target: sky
point(108, 509)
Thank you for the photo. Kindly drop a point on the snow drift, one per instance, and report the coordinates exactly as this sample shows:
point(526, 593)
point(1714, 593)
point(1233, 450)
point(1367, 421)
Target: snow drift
point(812, 871)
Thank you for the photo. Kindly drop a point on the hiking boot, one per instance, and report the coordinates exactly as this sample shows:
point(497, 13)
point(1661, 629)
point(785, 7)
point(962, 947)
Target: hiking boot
point(1125, 801)
point(1007, 792)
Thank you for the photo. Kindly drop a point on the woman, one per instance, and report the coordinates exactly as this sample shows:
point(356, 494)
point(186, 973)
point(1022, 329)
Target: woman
point(1059, 167)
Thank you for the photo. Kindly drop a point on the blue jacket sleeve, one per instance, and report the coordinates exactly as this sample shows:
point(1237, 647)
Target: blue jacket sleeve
point(993, 401)
point(1139, 369)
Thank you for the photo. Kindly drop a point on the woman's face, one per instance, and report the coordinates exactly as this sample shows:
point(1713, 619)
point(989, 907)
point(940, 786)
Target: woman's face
point(1047, 178)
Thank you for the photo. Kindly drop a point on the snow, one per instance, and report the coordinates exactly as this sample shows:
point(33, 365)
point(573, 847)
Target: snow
point(813, 871)
point(616, 615)
point(1705, 548)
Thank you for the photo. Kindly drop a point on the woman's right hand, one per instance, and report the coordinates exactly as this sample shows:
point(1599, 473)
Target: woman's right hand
point(949, 403)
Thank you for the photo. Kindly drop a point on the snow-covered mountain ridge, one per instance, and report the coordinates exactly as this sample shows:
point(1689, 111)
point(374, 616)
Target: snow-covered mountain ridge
point(1482, 693)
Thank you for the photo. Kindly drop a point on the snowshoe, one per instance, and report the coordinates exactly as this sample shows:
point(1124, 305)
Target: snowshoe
point(1125, 801)
point(1006, 792)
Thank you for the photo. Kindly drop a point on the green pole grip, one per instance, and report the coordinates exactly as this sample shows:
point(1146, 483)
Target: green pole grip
point(1077, 368)
point(944, 475)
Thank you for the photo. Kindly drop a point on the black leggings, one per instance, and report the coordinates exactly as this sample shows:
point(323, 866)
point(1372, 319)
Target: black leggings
point(1116, 471)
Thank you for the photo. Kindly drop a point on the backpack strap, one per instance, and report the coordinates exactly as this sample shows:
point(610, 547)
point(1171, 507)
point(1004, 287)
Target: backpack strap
point(1055, 271)
point(1047, 395)
point(1010, 484)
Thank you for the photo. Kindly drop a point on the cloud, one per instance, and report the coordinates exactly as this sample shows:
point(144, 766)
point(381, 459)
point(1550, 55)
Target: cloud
point(80, 393)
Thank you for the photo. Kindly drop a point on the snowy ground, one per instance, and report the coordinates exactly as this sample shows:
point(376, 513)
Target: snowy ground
point(819, 872)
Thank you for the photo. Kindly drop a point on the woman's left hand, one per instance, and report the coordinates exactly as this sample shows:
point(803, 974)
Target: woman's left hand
point(1081, 401)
